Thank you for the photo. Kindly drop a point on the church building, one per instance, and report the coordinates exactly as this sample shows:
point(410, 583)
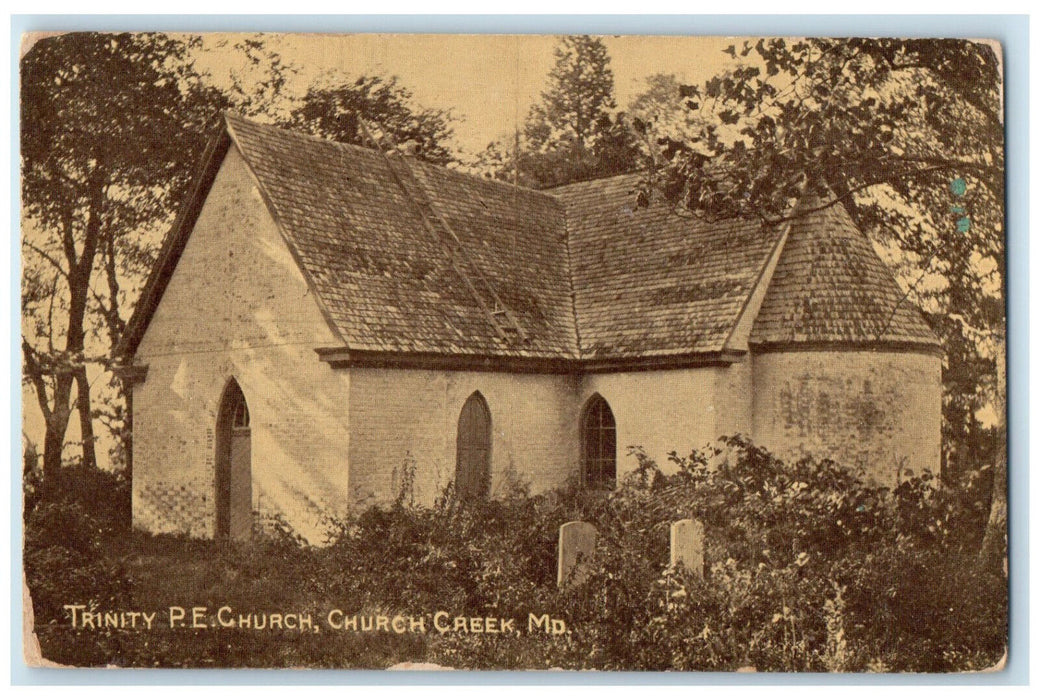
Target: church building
point(327, 324)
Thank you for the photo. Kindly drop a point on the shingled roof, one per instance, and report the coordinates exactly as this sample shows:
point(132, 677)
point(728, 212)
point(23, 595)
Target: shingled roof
point(588, 277)
point(649, 282)
point(386, 281)
point(830, 286)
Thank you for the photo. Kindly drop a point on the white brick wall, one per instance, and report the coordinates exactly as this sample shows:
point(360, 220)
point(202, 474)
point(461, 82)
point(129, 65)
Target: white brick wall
point(238, 306)
point(236, 285)
point(662, 411)
point(873, 411)
point(399, 416)
point(733, 406)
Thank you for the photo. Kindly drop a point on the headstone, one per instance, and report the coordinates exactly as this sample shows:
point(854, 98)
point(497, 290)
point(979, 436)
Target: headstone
point(688, 545)
point(577, 543)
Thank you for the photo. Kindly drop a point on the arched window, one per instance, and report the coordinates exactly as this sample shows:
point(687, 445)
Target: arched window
point(473, 450)
point(234, 480)
point(598, 444)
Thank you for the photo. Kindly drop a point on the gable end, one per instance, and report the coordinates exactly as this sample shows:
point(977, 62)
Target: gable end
point(173, 246)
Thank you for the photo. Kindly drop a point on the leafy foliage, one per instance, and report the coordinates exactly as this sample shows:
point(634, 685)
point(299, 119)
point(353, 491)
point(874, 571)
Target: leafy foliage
point(113, 126)
point(807, 569)
point(333, 113)
point(887, 127)
point(575, 133)
point(87, 135)
point(580, 93)
point(109, 124)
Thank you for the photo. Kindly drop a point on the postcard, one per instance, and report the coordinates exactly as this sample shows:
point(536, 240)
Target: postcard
point(509, 352)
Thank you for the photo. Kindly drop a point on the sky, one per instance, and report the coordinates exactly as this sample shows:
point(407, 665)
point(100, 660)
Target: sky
point(489, 81)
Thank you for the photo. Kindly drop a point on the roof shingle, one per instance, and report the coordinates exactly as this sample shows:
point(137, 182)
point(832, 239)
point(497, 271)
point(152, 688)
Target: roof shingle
point(830, 286)
point(586, 274)
point(388, 282)
point(648, 281)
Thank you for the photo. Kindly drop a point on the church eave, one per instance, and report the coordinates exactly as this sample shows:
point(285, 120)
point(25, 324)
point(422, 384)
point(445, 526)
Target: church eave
point(173, 246)
point(342, 357)
point(762, 348)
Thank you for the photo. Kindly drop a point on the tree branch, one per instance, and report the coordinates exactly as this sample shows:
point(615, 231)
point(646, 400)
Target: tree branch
point(35, 372)
point(46, 256)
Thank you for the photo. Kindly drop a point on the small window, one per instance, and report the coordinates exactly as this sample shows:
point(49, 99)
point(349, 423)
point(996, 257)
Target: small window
point(240, 417)
point(598, 444)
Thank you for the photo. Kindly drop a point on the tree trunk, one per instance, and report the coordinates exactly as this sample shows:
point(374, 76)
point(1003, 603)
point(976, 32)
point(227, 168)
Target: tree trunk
point(79, 272)
point(52, 444)
point(86, 421)
point(54, 437)
point(128, 429)
point(994, 541)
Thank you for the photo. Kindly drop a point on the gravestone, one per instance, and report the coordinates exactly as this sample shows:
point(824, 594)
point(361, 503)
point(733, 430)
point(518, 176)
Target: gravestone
point(577, 543)
point(688, 545)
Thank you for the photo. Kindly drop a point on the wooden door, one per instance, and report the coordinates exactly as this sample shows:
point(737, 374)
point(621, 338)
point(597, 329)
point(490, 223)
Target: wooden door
point(473, 454)
point(240, 510)
point(234, 477)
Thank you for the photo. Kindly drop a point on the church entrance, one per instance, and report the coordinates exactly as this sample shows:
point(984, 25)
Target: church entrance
point(234, 470)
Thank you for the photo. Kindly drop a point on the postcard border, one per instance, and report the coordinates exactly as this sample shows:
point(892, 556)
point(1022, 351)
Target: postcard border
point(1013, 33)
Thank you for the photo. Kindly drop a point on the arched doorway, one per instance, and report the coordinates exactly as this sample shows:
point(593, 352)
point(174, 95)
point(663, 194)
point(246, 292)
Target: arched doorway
point(473, 450)
point(234, 471)
point(598, 444)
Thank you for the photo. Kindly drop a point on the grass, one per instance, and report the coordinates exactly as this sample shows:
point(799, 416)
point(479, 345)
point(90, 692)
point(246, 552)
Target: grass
point(833, 576)
point(155, 573)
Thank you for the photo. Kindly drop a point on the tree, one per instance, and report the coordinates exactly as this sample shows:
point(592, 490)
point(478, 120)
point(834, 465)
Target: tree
point(661, 107)
point(575, 133)
point(105, 136)
point(333, 112)
point(579, 95)
point(112, 129)
point(908, 134)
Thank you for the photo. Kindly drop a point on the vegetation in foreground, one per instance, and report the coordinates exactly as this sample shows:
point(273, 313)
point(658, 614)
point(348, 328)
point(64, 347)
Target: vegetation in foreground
point(807, 569)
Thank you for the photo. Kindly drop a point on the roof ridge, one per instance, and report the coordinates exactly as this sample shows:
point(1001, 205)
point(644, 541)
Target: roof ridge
point(570, 278)
point(578, 184)
point(231, 115)
point(501, 184)
point(579, 254)
point(555, 193)
point(350, 189)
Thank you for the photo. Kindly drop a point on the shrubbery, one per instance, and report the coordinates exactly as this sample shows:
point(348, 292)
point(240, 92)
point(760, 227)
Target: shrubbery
point(807, 569)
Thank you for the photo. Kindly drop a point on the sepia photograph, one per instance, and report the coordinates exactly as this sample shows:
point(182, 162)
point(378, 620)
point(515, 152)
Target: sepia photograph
point(513, 352)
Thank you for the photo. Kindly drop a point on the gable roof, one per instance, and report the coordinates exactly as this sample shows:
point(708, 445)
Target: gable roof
point(411, 259)
point(388, 282)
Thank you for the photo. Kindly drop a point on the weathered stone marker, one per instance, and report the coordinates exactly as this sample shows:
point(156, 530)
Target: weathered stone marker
point(577, 543)
point(688, 545)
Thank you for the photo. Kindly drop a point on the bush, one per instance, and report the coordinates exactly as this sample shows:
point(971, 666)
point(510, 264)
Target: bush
point(808, 569)
point(66, 539)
